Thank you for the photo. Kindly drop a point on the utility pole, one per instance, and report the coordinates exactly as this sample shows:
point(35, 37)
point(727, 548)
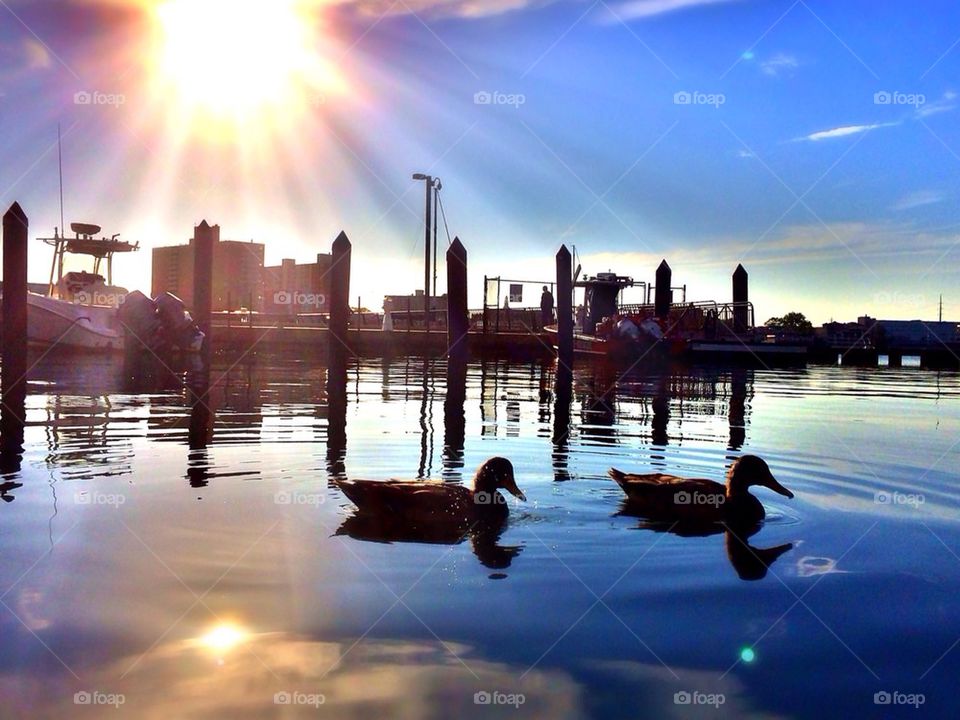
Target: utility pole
point(426, 244)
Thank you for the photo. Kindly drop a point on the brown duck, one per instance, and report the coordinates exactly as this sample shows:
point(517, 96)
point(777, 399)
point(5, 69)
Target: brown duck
point(418, 502)
point(696, 501)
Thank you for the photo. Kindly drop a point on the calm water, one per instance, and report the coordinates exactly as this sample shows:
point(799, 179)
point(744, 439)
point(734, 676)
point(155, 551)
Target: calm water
point(193, 582)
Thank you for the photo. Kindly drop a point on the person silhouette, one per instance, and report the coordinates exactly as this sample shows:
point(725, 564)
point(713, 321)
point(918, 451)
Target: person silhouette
point(546, 307)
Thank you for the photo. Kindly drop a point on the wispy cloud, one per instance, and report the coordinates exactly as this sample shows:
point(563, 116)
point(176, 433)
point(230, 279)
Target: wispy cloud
point(777, 64)
point(438, 8)
point(946, 103)
point(843, 131)
point(638, 9)
point(917, 199)
point(36, 55)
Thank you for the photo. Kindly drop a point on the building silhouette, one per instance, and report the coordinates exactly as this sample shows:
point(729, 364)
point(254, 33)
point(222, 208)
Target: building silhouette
point(240, 279)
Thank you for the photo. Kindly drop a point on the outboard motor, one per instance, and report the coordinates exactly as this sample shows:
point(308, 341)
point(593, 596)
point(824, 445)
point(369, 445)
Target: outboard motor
point(652, 329)
point(138, 316)
point(177, 324)
point(626, 330)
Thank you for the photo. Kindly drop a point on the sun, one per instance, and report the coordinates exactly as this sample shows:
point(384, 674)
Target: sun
point(236, 60)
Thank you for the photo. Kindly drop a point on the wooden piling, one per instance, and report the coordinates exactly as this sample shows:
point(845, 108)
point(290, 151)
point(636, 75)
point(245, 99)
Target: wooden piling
point(663, 298)
point(15, 225)
point(741, 297)
point(339, 300)
point(458, 321)
point(14, 369)
point(564, 306)
point(204, 237)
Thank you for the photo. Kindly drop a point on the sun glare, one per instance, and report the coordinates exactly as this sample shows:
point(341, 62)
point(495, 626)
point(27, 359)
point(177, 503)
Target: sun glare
point(222, 638)
point(232, 60)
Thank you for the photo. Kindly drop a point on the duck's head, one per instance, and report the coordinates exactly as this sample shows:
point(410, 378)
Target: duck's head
point(496, 473)
point(750, 470)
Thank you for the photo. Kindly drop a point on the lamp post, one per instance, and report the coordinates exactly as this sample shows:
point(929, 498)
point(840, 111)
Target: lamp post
point(431, 184)
point(426, 253)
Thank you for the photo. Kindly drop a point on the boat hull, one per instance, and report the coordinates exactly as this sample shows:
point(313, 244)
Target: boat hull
point(56, 322)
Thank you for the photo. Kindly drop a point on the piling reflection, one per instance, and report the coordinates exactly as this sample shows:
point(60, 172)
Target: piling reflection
point(739, 379)
point(454, 418)
point(200, 433)
point(13, 418)
point(336, 413)
point(563, 396)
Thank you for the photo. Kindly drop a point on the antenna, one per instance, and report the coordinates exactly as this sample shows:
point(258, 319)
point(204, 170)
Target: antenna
point(63, 229)
point(941, 307)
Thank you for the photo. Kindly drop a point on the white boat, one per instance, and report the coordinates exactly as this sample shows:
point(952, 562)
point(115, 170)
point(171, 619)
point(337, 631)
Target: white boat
point(79, 308)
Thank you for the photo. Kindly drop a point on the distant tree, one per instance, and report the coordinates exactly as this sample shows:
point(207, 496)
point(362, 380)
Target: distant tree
point(793, 322)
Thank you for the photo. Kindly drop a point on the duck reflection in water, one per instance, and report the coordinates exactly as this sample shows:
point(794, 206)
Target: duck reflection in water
point(437, 512)
point(696, 507)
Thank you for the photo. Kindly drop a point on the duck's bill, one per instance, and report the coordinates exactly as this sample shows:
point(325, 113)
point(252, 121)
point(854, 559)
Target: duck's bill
point(778, 488)
point(516, 492)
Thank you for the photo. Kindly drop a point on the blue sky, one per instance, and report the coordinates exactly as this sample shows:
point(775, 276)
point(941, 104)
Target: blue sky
point(817, 143)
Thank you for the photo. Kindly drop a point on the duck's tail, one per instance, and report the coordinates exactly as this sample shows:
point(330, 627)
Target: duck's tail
point(617, 475)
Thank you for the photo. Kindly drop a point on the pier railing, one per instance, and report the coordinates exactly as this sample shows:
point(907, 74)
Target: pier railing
point(709, 317)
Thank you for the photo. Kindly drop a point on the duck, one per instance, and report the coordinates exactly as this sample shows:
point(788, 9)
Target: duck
point(438, 504)
point(698, 502)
